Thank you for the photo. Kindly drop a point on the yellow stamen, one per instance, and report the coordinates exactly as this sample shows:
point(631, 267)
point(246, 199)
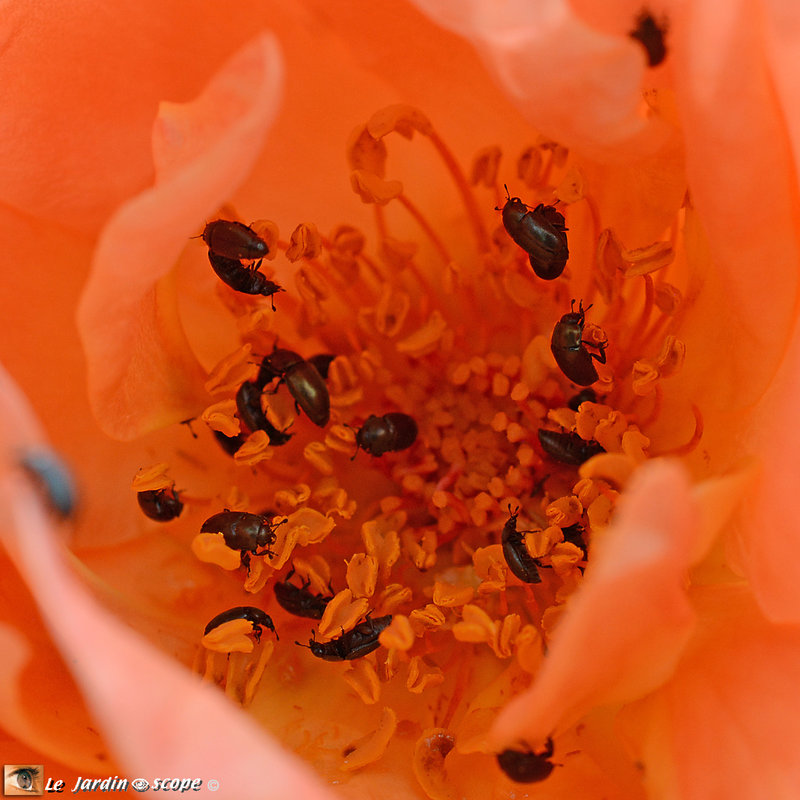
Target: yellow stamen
point(211, 548)
point(372, 747)
point(149, 479)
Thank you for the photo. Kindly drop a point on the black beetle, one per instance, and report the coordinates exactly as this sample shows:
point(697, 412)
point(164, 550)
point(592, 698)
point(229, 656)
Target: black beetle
point(162, 505)
point(574, 535)
point(526, 767)
point(360, 641)
point(243, 531)
point(243, 279)
point(570, 351)
point(230, 444)
point(568, 448)
point(255, 616)
point(584, 396)
point(234, 240)
point(303, 381)
point(248, 407)
point(53, 479)
point(651, 36)
point(519, 560)
point(298, 600)
point(541, 233)
point(386, 434)
point(322, 363)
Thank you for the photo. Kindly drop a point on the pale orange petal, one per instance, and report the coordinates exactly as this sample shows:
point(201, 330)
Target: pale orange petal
point(743, 181)
point(770, 535)
point(599, 74)
point(155, 716)
point(631, 617)
point(92, 83)
point(728, 724)
point(142, 373)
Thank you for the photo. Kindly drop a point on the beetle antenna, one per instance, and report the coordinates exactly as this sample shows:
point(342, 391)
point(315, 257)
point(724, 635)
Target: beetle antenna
point(508, 195)
point(188, 424)
point(307, 646)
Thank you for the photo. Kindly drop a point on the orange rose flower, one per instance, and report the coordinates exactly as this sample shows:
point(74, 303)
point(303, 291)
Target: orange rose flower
point(521, 533)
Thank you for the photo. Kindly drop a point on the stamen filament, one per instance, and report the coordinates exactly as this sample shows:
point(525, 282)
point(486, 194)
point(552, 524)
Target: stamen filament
point(460, 180)
point(426, 227)
point(687, 448)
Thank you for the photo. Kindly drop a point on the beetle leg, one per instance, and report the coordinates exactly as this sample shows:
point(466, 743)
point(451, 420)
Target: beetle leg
point(601, 356)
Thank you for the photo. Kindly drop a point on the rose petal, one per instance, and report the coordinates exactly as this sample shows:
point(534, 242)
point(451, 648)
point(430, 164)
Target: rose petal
point(631, 614)
point(155, 715)
point(769, 535)
point(95, 93)
point(597, 73)
point(743, 181)
point(142, 373)
point(732, 703)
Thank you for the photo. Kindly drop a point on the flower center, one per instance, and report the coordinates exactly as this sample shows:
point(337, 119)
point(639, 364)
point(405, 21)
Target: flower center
point(436, 527)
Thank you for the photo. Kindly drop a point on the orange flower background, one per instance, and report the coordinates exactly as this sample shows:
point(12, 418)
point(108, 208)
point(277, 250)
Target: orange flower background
point(126, 132)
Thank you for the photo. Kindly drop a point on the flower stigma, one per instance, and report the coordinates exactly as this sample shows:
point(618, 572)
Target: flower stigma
point(415, 455)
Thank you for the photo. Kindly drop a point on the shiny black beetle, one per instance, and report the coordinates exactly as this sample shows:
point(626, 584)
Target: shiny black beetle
point(568, 448)
point(519, 560)
point(570, 351)
point(234, 240)
point(526, 767)
point(322, 363)
point(53, 479)
point(298, 600)
point(651, 36)
point(230, 444)
point(541, 233)
point(162, 505)
point(303, 381)
point(360, 641)
point(574, 535)
point(243, 279)
point(387, 434)
point(248, 407)
point(255, 616)
point(243, 531)
point(583, 396)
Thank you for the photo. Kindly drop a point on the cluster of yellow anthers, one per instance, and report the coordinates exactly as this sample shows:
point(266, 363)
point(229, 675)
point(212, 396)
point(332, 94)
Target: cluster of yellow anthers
point(463, 346)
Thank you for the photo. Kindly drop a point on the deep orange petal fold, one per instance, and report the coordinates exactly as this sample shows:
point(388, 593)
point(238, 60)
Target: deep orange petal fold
point(142, 371)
